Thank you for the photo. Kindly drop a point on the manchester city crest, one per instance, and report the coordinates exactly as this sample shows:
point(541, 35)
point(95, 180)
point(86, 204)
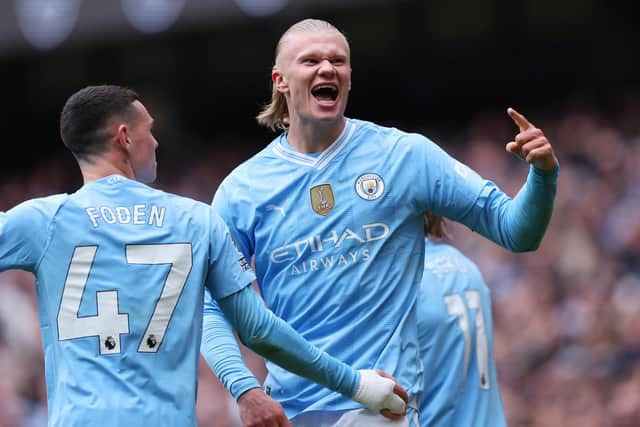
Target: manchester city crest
point(369, 186)
point(322, 200)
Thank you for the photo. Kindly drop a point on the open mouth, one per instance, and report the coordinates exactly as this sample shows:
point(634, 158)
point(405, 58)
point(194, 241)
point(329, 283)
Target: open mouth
point(325, 92)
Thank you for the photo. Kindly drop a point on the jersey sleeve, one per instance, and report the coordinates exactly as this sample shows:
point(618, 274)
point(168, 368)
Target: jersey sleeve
point(229, 271)
point(24, 232)
point(221, 351)
point(236, 213)
point(274, 339)
point(444, 185)
point(452, 189)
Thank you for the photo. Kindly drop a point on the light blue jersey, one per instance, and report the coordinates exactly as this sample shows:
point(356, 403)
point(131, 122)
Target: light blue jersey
point(338, 247)
point(456, 341)
point(120, 269)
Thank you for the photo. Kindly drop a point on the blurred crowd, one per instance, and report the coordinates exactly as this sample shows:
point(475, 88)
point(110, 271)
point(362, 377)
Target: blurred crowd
point(566, 317)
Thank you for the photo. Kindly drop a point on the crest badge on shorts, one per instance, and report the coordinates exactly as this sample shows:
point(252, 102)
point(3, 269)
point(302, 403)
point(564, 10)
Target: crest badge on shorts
point(322, 200)
point(369, 186)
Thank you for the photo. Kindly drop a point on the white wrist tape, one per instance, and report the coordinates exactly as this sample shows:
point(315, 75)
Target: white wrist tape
point(376, 393)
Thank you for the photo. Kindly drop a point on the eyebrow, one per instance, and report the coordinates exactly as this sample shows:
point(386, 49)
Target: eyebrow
point(312, 54)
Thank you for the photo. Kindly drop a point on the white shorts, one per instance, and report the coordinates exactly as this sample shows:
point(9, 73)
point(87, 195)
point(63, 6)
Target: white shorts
point(355, 418)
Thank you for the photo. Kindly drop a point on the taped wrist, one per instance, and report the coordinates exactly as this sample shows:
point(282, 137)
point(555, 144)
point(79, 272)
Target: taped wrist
point(376, 393)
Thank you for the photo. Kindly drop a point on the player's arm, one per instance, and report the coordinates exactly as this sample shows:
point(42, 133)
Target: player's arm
point(231, 205)
point(24, 233)
point(229, 280)
point(522, 221)
point(459, 193)
point(221, 352)
point(528, 216)
point(266, 334)
point(256, 408)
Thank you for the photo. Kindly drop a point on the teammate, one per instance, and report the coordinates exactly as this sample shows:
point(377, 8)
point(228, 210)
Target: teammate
point(332, 213)
point(120, 271)
point(456, 338)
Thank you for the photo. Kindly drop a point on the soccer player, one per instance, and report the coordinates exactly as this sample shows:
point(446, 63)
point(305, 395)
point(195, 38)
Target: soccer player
point(332, 213)
point(456, 338)
point(120, 273)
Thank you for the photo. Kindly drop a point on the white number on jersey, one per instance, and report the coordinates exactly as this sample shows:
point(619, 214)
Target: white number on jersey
point(456, 307)
point(109, 323)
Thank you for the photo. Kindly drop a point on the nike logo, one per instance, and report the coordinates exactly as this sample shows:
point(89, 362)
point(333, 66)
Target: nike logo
point(276, 208)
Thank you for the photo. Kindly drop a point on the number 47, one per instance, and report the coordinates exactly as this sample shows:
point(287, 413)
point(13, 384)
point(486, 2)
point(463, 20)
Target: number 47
point(456, 307)
point(109, 323)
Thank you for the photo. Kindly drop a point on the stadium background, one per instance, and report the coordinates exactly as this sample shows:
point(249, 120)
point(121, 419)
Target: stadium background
point(566, 318)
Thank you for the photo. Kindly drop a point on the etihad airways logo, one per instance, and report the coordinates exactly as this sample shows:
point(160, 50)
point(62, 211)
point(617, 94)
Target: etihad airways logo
point(335, 249)
point(334, 239)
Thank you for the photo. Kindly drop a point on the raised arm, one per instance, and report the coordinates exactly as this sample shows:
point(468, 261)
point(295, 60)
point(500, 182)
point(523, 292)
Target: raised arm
point(525, 218)
point(457, 192)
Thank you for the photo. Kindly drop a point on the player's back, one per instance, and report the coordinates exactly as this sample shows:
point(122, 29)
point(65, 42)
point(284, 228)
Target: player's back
point(120, 295)
point(455, 334)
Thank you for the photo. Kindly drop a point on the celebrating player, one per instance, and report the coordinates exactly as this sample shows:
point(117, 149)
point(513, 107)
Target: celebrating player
point(120, 272)
point(332, 213)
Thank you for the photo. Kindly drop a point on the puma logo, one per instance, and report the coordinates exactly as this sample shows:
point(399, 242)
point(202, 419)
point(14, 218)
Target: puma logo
point(276, 208)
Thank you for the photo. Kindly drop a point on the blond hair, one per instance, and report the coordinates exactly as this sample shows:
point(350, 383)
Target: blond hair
point(275, 115)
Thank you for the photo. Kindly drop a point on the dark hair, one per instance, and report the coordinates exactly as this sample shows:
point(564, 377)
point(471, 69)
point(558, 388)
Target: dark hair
point(86, 114)
point(435, 226)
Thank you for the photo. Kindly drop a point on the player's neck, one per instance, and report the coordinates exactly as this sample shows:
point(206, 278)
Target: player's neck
point(101, 168)
point(312, 137)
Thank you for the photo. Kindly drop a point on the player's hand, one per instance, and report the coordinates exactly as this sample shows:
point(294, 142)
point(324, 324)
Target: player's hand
point(400, 391)
point(530, 144)
point(259, 410)
point(379, 392)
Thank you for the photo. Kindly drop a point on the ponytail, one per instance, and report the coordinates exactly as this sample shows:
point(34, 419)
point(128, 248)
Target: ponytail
point(276, 114)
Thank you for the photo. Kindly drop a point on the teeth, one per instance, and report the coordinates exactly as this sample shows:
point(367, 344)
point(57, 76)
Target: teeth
point(325, 92)
point(330, 87)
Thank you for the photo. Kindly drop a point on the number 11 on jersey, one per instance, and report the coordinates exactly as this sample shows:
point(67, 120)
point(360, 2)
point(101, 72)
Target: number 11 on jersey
point(457, 307)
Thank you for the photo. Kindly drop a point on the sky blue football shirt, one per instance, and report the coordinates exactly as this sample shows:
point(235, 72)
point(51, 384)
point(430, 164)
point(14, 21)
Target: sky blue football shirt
point(338, 242)
point(120, 269)
point(456, 341)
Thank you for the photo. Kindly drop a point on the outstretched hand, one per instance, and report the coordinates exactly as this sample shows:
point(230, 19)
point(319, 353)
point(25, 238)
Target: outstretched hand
point(259, 410)
point(530, 144)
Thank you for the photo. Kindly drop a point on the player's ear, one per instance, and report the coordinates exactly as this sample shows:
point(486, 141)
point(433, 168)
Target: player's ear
point(122, 136)
point(279, 81)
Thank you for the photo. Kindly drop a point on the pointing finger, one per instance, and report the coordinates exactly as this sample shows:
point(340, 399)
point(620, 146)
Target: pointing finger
point(519, 119)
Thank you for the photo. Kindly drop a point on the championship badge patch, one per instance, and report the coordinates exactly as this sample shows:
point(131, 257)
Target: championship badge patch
point(369, 186)
point(322, 200)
